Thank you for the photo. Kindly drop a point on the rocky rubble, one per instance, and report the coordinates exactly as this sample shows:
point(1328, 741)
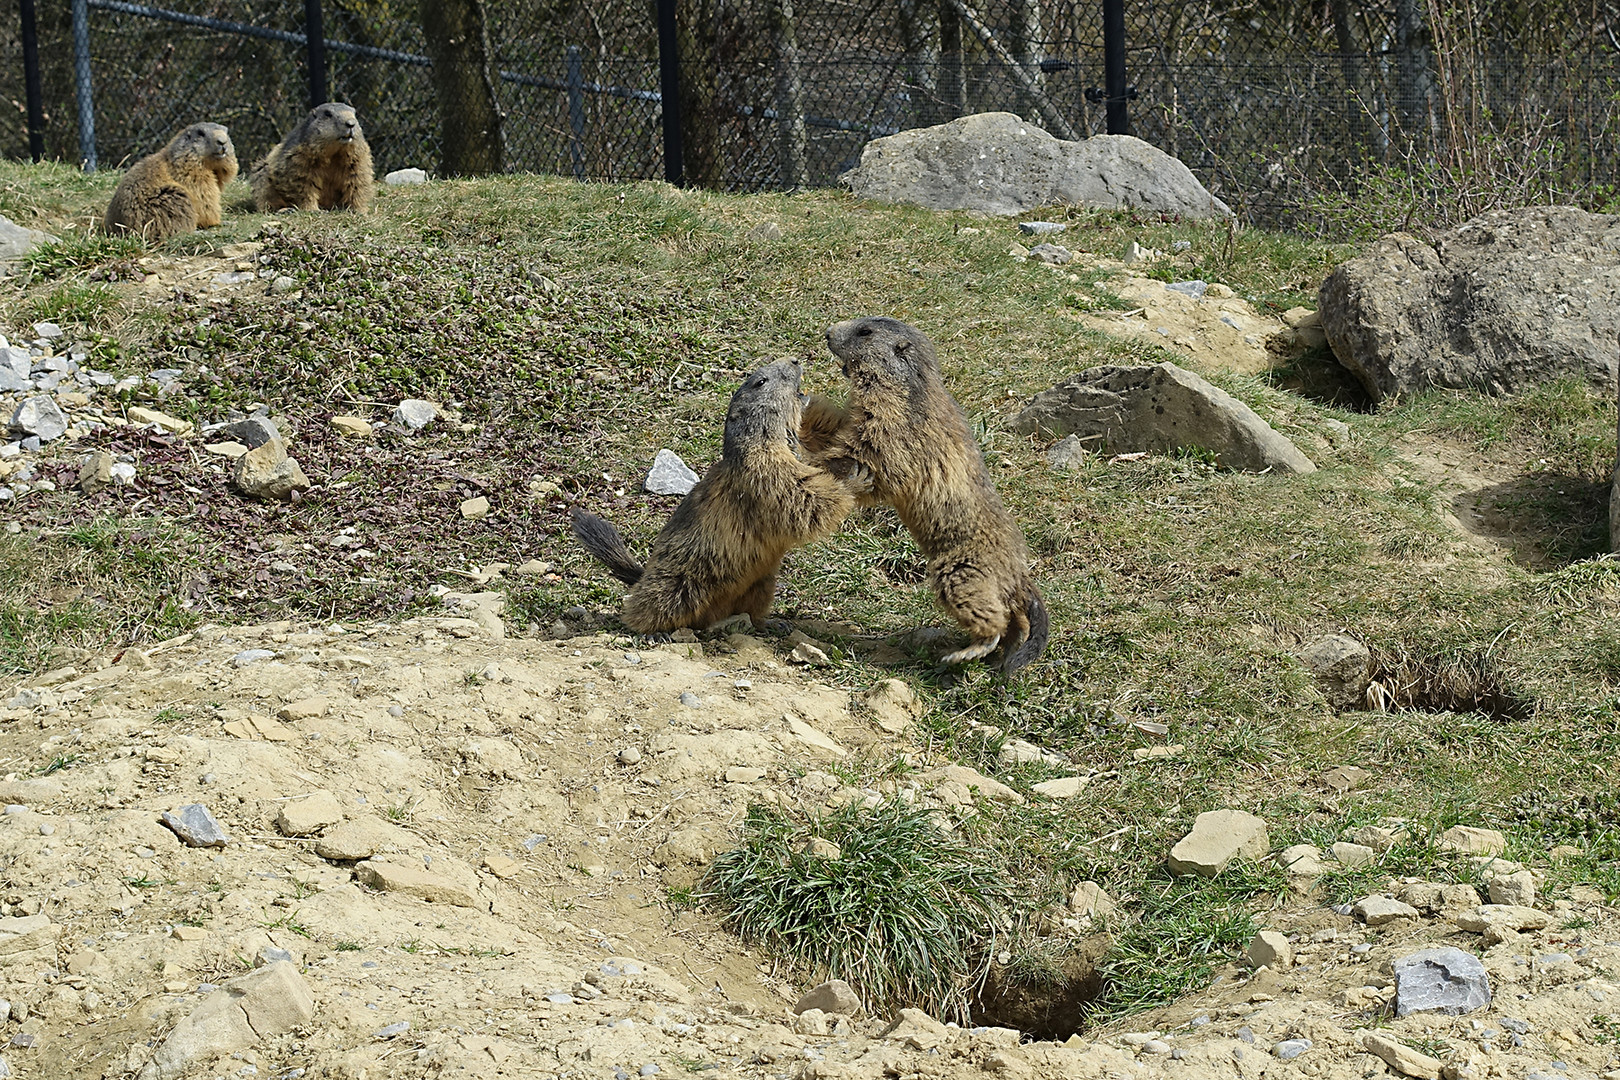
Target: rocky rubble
point(430, 851)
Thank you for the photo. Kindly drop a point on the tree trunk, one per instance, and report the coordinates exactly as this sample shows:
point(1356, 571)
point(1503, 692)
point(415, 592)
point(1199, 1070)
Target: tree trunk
point(919, 29)
point(791, 139)
point(1350, 66)
point(697, 36)
point(952, 76)
point(1028, 47)
point(1411, 69)
point(469, 113)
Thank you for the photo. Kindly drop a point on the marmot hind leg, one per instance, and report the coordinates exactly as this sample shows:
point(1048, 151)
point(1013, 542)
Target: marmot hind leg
point(974, 599)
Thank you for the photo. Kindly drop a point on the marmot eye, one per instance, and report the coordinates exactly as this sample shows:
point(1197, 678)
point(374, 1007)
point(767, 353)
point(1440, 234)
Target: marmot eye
point(865, 331)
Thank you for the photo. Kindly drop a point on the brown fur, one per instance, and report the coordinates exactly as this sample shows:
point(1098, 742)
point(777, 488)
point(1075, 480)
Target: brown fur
point(177, 189)
point(323, 164)
point(719, 554)
point(906, 429)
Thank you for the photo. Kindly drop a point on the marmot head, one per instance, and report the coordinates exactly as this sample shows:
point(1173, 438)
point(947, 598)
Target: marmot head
point(333, 122)
point(202, 142)
point(884, 349)
point(766, 408)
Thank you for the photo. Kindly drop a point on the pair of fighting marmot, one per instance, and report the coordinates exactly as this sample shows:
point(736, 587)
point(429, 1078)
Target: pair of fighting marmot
point(902, 441)
point(324, 163)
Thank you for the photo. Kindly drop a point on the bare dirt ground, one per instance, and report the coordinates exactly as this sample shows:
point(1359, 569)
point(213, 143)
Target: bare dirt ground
point(485, 833)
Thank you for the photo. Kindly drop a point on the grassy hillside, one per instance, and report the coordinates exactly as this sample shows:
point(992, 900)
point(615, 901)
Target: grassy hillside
point(573, 330)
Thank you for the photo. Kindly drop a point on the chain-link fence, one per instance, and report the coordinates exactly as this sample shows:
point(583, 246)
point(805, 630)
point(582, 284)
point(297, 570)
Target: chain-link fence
point(1275, 106)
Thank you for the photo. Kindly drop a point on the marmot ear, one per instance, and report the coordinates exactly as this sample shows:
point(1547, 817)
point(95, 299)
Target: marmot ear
point(902, 346)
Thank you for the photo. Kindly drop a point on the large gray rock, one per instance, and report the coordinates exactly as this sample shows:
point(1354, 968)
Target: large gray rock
point(17, 240)
point(1503, 302)
point(998, 164)
point(1157, 408)
point(1444, 980)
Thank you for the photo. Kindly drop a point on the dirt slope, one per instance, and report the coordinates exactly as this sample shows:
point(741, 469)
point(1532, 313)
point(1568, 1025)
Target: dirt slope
point(491, 776)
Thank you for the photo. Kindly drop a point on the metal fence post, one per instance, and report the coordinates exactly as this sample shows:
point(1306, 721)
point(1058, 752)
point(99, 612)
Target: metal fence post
point(315, 46)
point(1114, 87)
point(576, 112)
point(669, 82)
point(81, 79)
point(36, 99)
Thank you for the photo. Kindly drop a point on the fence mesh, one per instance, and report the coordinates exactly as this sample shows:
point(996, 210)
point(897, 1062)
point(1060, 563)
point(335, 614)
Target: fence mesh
point(1274, 106)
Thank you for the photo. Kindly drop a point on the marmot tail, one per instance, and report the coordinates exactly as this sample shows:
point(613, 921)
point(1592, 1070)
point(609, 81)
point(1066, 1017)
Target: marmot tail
point(1034, 638)
point(603, 541)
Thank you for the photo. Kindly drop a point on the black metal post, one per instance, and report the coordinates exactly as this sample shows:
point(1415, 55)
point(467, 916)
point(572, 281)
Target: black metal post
point(1117, 92)
point(315, 44)
point(36, 99)
point(669, 71)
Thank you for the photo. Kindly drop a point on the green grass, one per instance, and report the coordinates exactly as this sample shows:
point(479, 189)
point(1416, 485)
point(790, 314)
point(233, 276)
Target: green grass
point(76, 304)
point(904, 913)
point(78, 254)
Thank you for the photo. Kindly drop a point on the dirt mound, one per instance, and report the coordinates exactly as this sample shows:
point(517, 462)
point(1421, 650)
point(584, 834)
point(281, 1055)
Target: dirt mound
point(483, 834)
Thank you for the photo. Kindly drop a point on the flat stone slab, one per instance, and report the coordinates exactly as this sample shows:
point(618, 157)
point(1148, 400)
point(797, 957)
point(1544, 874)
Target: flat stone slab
point(1160, 408)
point(1376, 910)
point(1445, 980)
point(414, 881)
point(1402, 1058)
point(308, 814)
point(1218, 837)
point(1511, 916)
point(1468, 840)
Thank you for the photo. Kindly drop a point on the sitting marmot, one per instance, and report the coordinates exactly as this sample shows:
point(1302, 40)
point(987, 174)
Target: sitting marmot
point(175, 190)
point(324, 164)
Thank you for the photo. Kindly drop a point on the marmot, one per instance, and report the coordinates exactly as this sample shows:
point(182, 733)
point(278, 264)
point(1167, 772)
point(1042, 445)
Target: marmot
point(906, 430)
point(720, 552)
point(323, 164)
point(175, 190)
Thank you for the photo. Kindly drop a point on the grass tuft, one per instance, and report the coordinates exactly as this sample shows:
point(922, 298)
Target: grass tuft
point(906, 914)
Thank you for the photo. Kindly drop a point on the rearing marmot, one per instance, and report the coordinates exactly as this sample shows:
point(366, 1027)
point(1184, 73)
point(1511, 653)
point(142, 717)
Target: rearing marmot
point(323, 164)
point(720, 552)
point(906, 429)
point(175, 190)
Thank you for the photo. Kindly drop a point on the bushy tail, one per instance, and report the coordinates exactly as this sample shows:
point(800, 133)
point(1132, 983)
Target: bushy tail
point(603, 541)
point(1026, 634)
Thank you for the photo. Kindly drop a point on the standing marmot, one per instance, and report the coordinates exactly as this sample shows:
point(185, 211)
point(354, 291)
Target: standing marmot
point(720, 552)
point(323, 164)
point(907, 430)
point(175, 190)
